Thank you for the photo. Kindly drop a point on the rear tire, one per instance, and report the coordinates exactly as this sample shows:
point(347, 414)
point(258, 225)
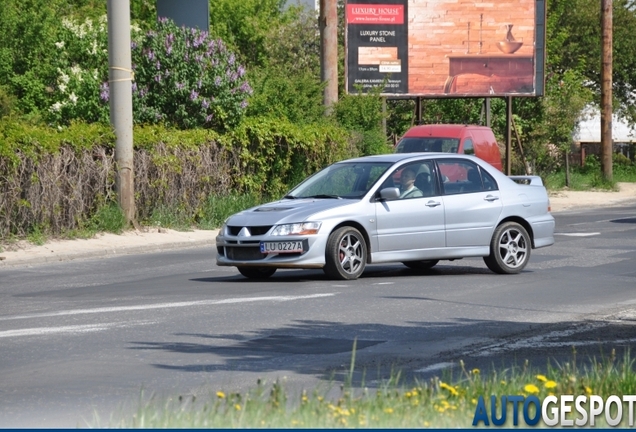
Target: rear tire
point(257, 272)
point(346, 254)
point(421, 265)
point(509, 249)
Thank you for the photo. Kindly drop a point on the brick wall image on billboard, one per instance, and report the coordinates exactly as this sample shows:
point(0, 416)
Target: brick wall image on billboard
point(466, 47)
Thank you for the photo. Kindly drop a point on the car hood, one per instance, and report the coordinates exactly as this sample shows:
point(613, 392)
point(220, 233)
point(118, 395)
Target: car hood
point(286, 211)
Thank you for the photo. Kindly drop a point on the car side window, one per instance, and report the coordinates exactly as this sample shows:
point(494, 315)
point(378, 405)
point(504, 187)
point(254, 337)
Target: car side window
point(489, 182)
point(460, 176)
point(468, 147)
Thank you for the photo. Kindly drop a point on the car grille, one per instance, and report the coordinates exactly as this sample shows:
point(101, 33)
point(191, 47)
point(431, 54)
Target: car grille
point(254, 230)
point(244, 253)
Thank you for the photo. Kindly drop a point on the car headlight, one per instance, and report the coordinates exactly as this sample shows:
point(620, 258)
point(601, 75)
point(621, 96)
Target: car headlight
point(304, 228)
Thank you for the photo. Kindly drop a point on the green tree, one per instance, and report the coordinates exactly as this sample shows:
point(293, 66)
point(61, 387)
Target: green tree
point(245, 25)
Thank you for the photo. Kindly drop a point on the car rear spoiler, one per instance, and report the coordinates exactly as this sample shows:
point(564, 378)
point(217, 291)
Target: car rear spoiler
point(527, 180)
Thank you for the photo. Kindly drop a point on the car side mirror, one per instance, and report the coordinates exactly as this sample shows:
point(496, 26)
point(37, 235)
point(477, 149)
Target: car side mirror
point(390, 193)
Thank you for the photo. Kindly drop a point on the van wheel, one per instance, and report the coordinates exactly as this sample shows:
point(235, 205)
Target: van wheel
point(346, 254)
point(257, 272)
point(509, 249)
point(421, 265)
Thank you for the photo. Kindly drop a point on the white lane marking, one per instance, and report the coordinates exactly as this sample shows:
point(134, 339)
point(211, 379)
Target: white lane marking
point(167, 306)
point(384, 283)
point(436, 366)
point(40, 331)
point(578, 234)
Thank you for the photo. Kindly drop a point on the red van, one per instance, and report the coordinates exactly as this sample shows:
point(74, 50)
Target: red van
point(452, 138)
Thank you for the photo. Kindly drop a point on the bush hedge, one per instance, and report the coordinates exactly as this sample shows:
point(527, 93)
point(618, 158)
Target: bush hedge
point(56, 180)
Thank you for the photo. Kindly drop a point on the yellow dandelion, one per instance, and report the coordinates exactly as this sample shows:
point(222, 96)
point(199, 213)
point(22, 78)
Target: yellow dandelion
point(476, 371)
point(408, 394)
point(304, 398)
point(415, 402)
point(220, 394)
point(449, 388)
point(320, 398)
point(388, 410)
point(550, 384)
point(474, 401)
point(426, 424)
point(588, 390)
point(237, 407)
point(542, 378)
point(531, 388)
point(503, 382)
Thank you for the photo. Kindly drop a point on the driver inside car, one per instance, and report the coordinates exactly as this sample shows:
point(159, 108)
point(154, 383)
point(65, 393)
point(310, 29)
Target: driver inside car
point(407, 184)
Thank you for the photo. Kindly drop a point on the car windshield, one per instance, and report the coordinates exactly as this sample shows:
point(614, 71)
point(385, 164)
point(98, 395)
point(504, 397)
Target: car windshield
point(428, 144)
point(341, 180)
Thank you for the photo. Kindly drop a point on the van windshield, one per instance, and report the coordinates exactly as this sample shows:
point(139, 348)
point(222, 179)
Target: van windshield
point(428, 144)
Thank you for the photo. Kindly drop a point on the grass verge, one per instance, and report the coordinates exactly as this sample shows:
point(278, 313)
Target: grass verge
point(446, 402)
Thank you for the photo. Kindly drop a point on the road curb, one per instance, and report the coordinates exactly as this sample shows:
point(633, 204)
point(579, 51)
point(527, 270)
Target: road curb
point(104, 252)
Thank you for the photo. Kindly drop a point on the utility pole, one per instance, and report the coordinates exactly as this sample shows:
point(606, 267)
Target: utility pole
point(606, 89)
point(120, 76)
point(328, 23)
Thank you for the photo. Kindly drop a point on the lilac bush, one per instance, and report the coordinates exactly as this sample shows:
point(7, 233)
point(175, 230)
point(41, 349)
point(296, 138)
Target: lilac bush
point(183, 77)
point(187, 79)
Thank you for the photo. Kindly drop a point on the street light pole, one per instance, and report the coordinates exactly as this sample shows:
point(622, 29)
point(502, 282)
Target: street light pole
point(120, 77)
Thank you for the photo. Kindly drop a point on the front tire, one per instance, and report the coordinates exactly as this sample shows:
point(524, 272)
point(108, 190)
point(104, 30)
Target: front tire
point(257, 272)
point(346, 254)
point(421, 265)
point(509, 249)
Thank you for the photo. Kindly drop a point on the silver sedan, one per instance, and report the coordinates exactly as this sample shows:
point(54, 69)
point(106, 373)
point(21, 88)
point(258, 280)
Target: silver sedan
point(414, 208)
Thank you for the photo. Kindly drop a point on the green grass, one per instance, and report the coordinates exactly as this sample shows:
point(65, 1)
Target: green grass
point(438, 403)
point(219, 208)
point(590, 176)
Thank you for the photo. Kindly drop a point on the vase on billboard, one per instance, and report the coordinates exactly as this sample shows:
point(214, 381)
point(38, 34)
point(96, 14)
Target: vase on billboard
point(509, 45)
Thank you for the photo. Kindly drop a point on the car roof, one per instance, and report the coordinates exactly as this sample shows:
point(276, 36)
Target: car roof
point(398, 157)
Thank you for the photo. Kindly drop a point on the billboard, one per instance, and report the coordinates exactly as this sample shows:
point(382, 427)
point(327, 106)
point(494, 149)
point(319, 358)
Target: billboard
point(445, 48)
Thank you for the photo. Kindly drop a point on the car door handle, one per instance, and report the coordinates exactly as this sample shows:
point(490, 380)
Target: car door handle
point(491, 198)
point(433, 203)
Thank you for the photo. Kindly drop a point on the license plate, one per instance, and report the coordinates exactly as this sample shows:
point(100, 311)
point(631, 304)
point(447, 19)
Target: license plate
point(282, 247)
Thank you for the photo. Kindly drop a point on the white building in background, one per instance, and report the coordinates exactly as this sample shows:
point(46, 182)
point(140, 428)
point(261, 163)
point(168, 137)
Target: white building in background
point(590, 129)
point(587, 140)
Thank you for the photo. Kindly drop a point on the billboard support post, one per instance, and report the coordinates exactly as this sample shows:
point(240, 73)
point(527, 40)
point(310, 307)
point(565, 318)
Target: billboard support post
point(508, 135)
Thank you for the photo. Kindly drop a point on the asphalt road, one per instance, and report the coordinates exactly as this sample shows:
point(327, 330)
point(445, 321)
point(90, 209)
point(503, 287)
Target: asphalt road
point(84, 338)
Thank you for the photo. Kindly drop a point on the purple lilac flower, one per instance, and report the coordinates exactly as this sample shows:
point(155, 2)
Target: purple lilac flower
point(134, 86)
point(205, 103)
point(241, 71)
point(244, 104)
point(133, 45)
point(158, 65)
point(158, 78)
point(194, 95)
point(245, 88)
point(150, 54)
point(217, 81)
point(209, 118)
point(180, 86)
point(143, 92)
point(231, 59)
point(104, 91)
point(163, 20)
